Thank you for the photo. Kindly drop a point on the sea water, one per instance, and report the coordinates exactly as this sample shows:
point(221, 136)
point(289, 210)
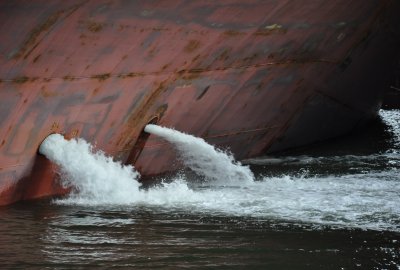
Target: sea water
point(336, 205)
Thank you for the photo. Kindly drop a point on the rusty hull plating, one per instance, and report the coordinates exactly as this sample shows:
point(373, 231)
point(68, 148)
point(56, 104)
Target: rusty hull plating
point(254, 76)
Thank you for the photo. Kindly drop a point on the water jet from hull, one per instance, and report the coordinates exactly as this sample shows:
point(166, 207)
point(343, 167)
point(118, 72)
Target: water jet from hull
point(203, 158)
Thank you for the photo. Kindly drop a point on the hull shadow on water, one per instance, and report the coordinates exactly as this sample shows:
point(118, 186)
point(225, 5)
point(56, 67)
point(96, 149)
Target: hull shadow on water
point(375, 147)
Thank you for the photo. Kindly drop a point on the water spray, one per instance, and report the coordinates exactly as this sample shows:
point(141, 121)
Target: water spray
point(203, 158)
point(92, 175)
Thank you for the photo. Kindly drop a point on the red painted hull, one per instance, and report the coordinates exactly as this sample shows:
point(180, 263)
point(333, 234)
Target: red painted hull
point(254, 76)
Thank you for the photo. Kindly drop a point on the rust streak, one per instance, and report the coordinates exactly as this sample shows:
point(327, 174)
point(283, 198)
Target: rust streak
point(138, 116)
point(32, 41)
point(22, 79)
point(130, 75)
point(101, 77)
point(69, 78)
point(192, 46)
point(36, 58)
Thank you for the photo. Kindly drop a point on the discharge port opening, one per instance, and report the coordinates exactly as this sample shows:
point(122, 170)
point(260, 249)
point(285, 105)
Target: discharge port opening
point(44, 139)
point(140, 142)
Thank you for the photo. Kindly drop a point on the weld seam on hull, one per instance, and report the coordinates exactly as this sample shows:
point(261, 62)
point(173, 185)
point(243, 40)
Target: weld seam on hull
point(105, 76)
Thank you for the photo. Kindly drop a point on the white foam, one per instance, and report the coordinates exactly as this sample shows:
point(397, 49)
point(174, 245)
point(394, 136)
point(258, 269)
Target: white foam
point(203, 158)
point(369, 200)
point(93, 176)
point(392, 120)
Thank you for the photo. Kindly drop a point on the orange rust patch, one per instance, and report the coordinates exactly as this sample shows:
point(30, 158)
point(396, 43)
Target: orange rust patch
point(46, 93)
point(138, 116)
point(69, 78)
point(224, 55)
point(164, 67)
point(130, 75)
point(161, 110)
point(36, 58)
point(94, 27)
point(55, 126)
point(192, 74)
point(95, 91)
point(192, 46)
point(181, 72)
point(101, 77)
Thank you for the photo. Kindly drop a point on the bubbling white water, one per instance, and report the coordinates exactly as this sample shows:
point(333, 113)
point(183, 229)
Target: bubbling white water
point(392, 120)
point(92, 176)
point(368, 201)
point(203, 158)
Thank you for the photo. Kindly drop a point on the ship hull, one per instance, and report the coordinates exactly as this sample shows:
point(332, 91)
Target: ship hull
point(254, 77)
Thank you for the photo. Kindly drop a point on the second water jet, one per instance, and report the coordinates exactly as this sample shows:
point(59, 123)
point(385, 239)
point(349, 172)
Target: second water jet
point(203, 158)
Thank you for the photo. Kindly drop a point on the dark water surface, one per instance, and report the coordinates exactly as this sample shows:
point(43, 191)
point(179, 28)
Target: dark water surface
point(331, 206)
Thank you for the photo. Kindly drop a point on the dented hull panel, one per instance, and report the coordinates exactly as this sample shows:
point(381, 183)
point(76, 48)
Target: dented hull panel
point(253, 77)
